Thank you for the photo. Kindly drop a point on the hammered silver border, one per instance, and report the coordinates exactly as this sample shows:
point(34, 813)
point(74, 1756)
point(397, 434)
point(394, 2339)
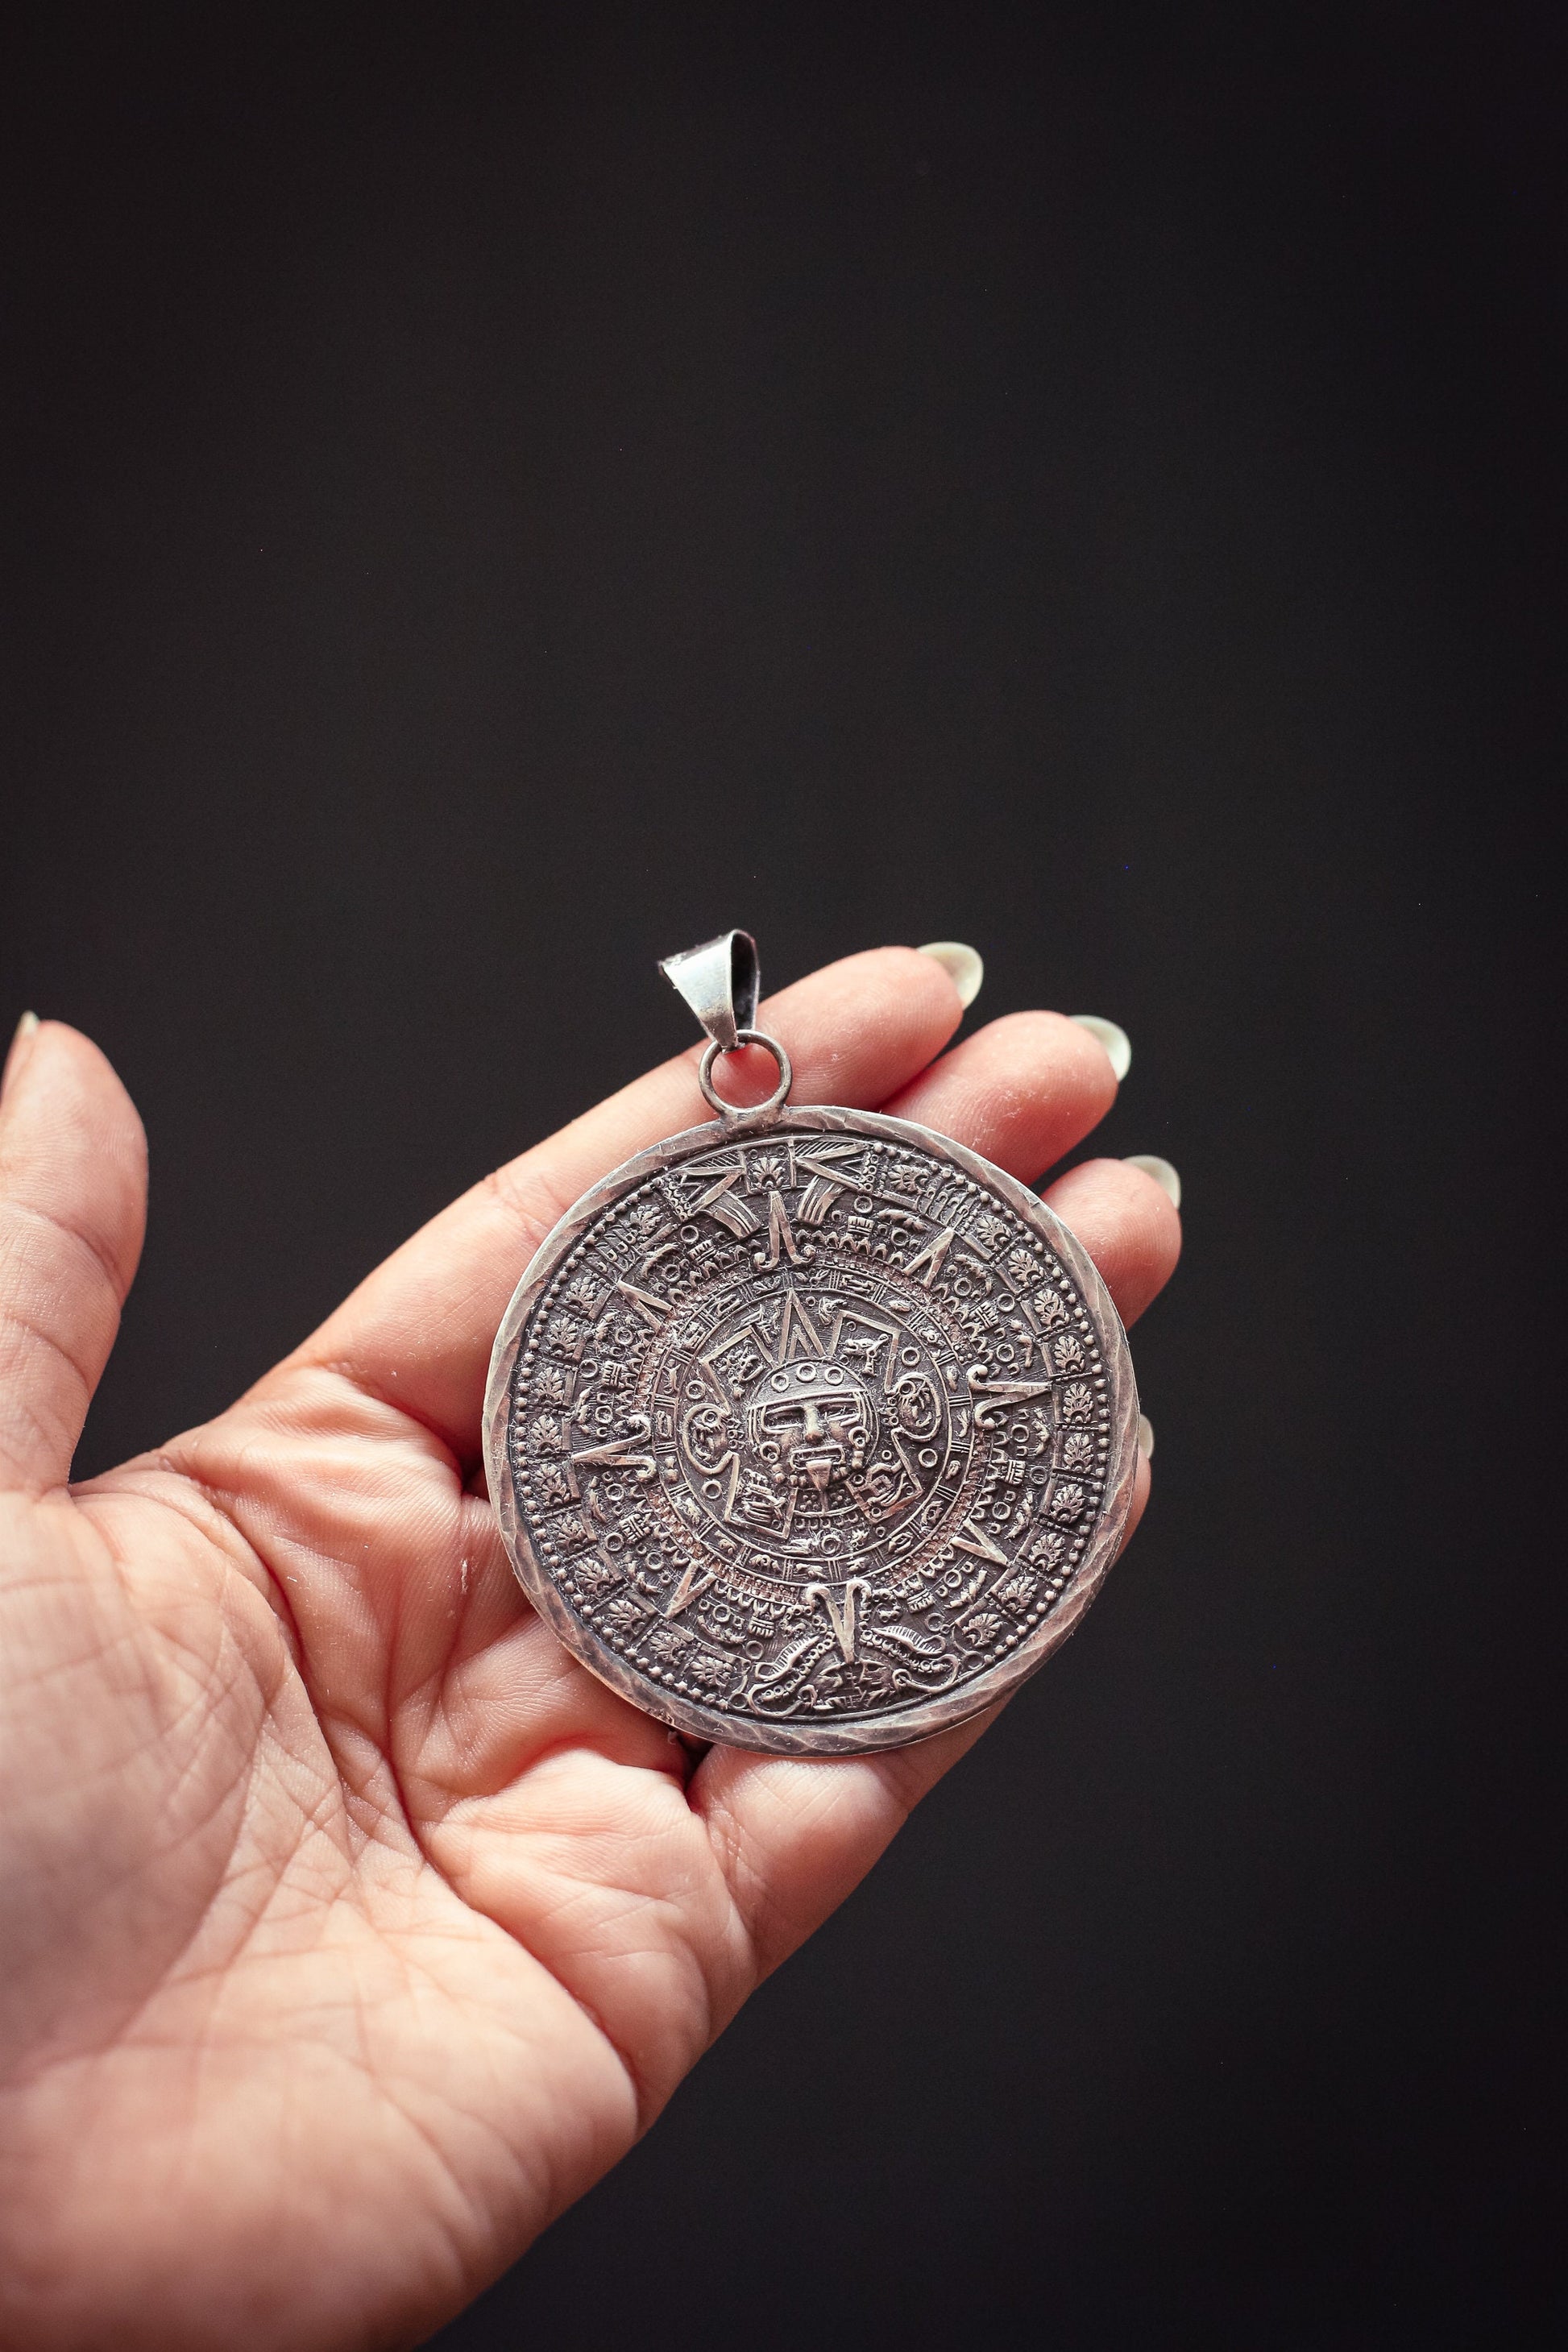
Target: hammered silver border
point(895, 1729)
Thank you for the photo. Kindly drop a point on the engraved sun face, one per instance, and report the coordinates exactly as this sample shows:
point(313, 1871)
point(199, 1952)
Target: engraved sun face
point(811, 1426)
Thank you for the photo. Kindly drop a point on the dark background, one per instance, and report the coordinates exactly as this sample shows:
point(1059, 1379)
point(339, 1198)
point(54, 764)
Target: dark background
point(493, 496)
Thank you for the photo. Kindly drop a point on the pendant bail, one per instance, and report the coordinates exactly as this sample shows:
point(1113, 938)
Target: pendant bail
point(719, 980)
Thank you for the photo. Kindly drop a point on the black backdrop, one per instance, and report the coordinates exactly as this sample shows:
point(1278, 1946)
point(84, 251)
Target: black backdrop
point(492, 497)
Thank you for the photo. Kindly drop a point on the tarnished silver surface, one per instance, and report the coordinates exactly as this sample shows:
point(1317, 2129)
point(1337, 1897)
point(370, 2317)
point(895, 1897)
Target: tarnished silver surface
point(811, 1431)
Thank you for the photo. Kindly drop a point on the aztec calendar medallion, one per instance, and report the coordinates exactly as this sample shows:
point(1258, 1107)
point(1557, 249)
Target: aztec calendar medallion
point(814, 1436)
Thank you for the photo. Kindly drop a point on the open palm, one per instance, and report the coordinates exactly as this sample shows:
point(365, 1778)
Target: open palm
point(349, 1928)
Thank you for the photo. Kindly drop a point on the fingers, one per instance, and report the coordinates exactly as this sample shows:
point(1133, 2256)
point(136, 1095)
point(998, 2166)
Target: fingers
point(73, 1199)
point(1128, 1226)
point(793, 1838)
point(1021, 1090)
point(420, 1330)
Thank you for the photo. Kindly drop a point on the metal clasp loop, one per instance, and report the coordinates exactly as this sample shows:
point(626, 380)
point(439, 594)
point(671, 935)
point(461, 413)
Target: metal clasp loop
point(757, 1112)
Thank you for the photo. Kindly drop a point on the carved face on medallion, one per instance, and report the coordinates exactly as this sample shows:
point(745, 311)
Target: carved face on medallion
point(809, 1427)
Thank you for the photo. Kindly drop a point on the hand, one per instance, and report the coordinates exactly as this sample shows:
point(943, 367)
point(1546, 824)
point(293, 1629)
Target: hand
point(349, 1928)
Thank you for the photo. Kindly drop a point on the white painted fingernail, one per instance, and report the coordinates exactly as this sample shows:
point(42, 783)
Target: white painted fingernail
point(27, 1029)
point(1145, 1437)
point(1116, 1041)
point(962, 965)
point(1162, 1172)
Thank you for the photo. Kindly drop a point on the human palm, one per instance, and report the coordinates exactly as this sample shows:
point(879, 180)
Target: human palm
point(349, 1928)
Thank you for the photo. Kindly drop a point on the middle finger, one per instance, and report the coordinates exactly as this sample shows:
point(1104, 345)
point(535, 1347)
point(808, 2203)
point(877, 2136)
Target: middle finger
point(1021, 1090)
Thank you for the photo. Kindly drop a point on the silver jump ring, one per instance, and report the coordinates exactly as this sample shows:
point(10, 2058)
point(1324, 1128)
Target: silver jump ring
point(780, 1094)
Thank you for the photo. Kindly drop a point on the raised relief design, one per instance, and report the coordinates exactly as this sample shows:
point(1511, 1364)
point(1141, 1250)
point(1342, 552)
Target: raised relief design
point(809, 1429)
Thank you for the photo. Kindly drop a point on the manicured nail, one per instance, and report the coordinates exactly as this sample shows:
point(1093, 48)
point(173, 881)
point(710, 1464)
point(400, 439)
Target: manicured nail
point(1162, 1172)
point(1116, 1042)
point(1145, 1437)
point(26, 1030)
point(962, 965)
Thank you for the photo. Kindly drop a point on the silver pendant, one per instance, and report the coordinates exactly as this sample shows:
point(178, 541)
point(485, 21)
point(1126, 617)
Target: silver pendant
point(808, 1430)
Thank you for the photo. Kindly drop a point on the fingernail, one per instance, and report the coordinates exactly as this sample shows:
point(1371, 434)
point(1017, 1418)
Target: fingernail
point(962, 965)
point(27, 1028)
point(1145, 1437)
point(1116, 1042)
point(1162, 1172)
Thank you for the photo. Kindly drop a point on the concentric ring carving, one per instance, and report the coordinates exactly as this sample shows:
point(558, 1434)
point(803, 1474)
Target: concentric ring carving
point(814, 1437)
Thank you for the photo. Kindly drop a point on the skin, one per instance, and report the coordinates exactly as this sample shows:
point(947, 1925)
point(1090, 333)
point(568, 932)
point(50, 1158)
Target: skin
point(350, 1929)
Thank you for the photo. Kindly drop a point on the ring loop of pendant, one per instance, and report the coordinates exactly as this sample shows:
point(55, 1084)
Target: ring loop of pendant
point(729, 1111)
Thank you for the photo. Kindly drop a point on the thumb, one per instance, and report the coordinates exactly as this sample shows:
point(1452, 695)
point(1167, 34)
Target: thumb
point(73, 1202)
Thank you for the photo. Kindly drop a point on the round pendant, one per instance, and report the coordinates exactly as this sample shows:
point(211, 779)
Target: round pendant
point(811, 1431)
